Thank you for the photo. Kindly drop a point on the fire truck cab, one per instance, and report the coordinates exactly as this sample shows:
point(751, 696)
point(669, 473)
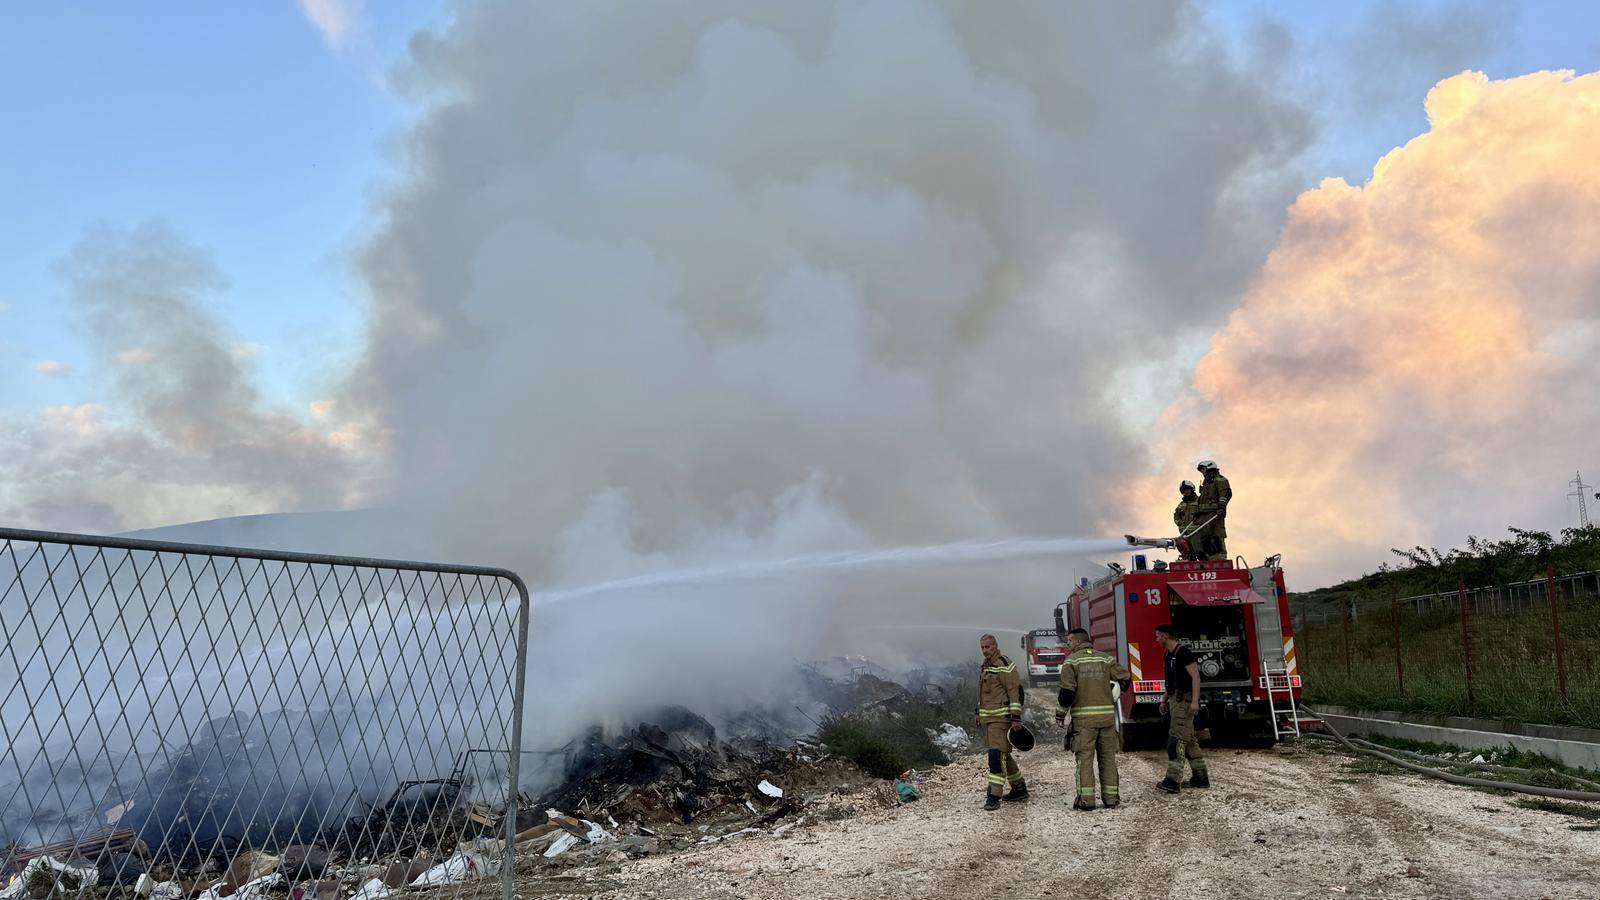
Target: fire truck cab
point(1236, 620)
point(1044, 649)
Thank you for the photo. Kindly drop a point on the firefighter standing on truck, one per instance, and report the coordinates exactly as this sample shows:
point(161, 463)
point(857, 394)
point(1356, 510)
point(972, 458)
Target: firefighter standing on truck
point(1086, 678)
point(1211, 540)
point(999, 711)
point(1182, 703)
point(1183, 517)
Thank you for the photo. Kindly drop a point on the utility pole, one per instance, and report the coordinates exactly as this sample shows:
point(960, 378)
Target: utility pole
point(1581, 491)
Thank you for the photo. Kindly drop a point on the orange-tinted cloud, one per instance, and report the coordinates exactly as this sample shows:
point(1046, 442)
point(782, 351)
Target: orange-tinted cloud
point(1417, 360)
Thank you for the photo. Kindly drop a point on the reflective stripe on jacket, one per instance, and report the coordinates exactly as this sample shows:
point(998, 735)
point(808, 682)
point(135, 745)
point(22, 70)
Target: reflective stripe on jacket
point(999, 692)
point(1089, 674)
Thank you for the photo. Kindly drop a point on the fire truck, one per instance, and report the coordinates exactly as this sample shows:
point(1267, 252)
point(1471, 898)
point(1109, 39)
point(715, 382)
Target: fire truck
point(1044, 649)
point(1233, 616)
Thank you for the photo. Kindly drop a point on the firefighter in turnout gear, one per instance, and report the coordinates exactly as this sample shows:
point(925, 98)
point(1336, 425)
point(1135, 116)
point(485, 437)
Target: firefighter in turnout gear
point(1211, 539)
point(999, 711)
point(1182, 703)
point(1086, 693)
point(1183, 516)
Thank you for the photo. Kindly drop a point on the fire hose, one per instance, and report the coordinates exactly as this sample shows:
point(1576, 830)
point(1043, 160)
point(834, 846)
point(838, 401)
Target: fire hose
point(1389, 756)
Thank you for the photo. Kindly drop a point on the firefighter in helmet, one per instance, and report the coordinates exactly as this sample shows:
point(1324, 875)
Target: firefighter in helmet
point(1086, 679)
point(1183, 516)
point(999, 712)
point(1211, 512)
point(1182, 704)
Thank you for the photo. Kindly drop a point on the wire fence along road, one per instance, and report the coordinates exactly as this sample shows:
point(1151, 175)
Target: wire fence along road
point(1518, 652)
point(182, 718)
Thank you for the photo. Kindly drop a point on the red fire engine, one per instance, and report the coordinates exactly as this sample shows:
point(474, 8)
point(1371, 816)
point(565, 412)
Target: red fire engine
point(1044, 649)
point(1234, 617)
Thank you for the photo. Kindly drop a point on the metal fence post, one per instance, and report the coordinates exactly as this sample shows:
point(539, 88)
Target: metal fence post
point(1399, 655)
point(1555, 629)
point(1466, 642)
point(1347, 640)
point(519, 692)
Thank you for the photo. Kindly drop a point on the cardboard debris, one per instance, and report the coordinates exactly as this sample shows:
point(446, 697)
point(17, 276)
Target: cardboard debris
point(770, 789)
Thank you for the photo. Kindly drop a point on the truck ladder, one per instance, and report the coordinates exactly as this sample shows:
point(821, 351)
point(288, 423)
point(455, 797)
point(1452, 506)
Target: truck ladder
point(1286, 722)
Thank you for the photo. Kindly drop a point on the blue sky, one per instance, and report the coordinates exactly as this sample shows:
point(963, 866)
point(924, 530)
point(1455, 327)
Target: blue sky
point(254, 137)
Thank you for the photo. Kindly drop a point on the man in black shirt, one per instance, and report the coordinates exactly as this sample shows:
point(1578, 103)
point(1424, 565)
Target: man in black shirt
point(1182, 702)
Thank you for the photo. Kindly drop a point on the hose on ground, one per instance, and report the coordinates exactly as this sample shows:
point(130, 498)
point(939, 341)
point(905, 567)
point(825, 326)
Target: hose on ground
point(1467, 780)
point(1482, 767)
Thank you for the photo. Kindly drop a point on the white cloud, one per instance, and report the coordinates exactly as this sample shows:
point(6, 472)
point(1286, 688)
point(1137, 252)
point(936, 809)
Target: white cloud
point(135, 356)
point(339, 22)
point(53, 368)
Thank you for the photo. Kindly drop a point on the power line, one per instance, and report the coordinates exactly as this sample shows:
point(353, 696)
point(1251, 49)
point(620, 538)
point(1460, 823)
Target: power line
point(1581, 491)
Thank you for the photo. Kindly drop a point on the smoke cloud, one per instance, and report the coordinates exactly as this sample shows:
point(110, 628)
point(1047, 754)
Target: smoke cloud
point(688, 259)
point(1416, 361)
point(182, 432)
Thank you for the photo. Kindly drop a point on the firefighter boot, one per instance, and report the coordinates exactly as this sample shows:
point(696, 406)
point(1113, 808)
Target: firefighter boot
point(1198, 778)
point(991, 802)
point(1169, 784)
point(1019, 791)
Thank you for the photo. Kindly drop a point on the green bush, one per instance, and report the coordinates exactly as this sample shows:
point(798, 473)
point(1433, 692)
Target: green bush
point(853, 739)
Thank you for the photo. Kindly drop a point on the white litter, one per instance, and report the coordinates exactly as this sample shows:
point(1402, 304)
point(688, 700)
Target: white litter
point(59, 876)
point(561, 845)
point(167, 890)
point(247, 891)
point(770, 789)
point(468, 863)
point(951, 739)
point(374, 889)
point(1478, 759)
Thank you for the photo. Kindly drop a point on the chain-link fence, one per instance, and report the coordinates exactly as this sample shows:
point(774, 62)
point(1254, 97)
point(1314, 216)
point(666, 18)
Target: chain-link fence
point(186, 720)
point(1517, 652)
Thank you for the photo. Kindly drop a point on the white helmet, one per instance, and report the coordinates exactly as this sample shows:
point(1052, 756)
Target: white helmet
point(1206, 464)
point(1186, 484)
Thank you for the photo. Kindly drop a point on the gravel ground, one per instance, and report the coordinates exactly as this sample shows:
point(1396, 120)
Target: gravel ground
point(1290, 821)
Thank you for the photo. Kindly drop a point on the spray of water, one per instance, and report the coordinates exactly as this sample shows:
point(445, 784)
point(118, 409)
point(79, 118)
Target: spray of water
point(847, 561)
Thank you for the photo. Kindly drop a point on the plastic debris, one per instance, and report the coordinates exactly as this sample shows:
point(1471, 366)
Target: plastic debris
point(468, 863)
point(770, 789)
point(46, 875)
point(952, 739)
point(561, 845)
point(374, 889)
point(908, 792)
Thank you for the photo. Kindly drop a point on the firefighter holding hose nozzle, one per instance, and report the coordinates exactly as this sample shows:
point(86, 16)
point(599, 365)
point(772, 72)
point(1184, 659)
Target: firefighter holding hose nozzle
point(999, 713)
point(1183, 517)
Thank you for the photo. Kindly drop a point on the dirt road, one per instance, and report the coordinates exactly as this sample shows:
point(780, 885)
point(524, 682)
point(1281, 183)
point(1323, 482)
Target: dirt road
point(1292, 821)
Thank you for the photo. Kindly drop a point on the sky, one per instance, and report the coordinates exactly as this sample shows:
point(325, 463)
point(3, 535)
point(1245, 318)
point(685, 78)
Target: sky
point(279, 157)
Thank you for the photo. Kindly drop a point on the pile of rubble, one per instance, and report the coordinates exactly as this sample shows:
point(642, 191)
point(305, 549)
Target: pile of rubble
point(664, 785)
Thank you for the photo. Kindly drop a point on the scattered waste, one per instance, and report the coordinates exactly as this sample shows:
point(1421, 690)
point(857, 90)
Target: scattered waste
point(770, 789)
point(952, 739)
point(908, 792)
point(561, 845)
point(46, 875)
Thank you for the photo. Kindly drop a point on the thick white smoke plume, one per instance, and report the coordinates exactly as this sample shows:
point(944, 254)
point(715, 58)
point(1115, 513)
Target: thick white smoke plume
point(666, 285)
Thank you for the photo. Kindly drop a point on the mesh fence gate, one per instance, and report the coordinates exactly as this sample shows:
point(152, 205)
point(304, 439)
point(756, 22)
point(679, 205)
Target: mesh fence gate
point(185, 720)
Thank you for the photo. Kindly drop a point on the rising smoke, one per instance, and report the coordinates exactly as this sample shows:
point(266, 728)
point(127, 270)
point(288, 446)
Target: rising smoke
point(666, 286)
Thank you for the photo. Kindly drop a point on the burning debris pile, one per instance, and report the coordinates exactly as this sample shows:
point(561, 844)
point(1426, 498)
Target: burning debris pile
point(217, 827)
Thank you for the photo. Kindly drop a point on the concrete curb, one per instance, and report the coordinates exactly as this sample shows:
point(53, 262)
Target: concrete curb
point(1572, 746)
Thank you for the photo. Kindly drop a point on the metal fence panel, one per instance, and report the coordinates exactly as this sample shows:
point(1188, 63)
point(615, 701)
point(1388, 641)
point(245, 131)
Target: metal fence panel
point(180, 717)
point(1497, 652)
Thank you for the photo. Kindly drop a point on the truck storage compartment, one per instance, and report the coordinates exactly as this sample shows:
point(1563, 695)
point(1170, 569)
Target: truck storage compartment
point(1216, 635)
